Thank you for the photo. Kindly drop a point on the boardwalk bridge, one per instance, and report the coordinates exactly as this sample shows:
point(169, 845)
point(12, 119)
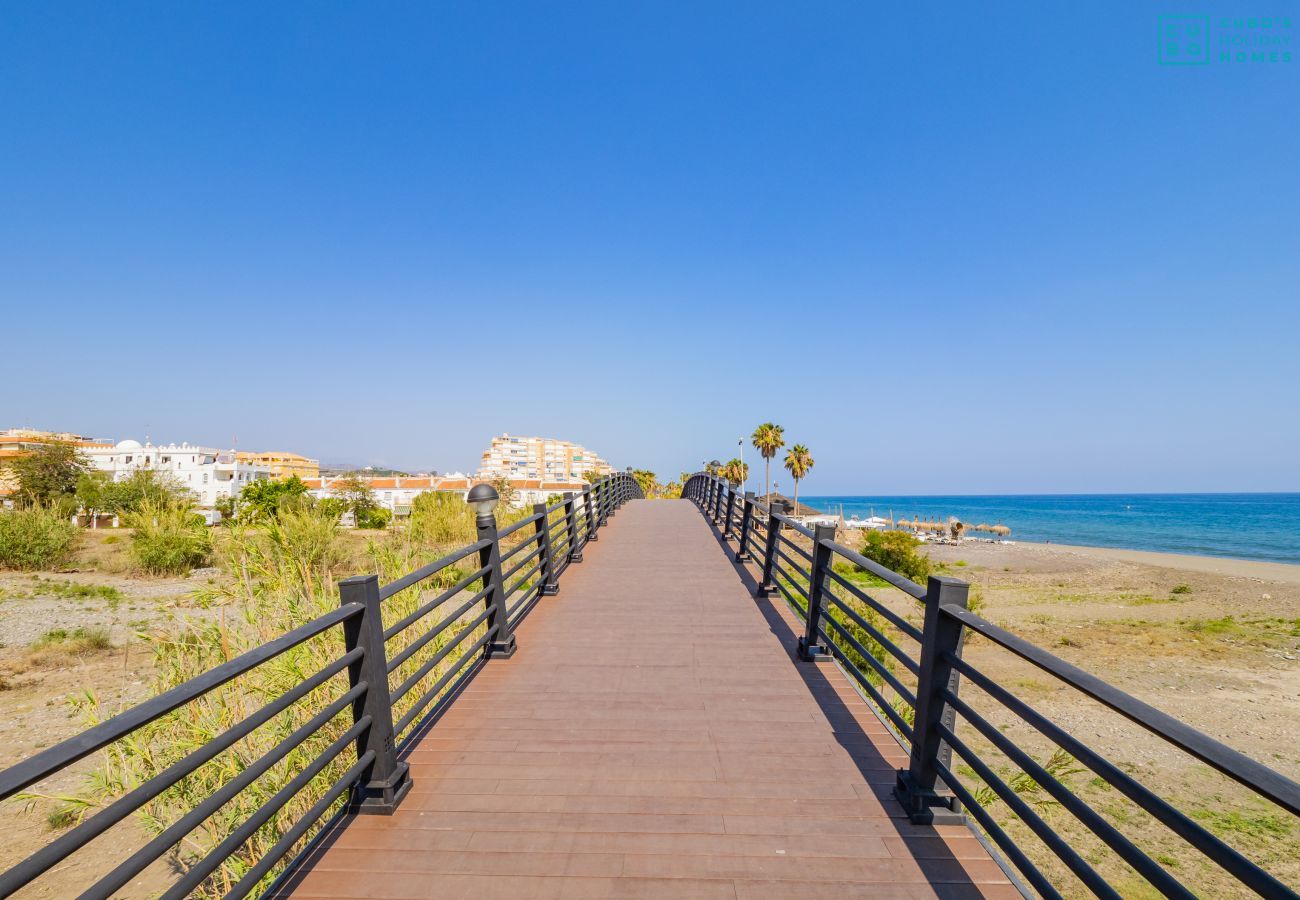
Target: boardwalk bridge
point(719, 703)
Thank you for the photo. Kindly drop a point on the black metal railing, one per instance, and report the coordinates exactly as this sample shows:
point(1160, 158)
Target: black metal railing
point(392, 680)
point(911, 673)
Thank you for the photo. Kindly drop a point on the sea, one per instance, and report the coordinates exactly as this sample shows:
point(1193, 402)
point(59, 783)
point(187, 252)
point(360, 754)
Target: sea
point(1239, 526)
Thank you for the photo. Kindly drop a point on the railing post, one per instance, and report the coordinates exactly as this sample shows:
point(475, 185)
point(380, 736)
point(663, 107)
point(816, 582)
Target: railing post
point(550, 584)
point(746, 524)
point(571, 522)
point(589, 501)
point(919, 787)
point(388, 779)
point(490, 557)
point(811, 648)
point(727, 516)
point(766, 584)
point(603, 505)
point(613, 496)
point(717, 502)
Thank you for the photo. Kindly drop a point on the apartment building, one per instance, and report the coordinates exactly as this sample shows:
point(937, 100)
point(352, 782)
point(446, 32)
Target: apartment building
point(208, 473)
point(281, 464)
point(540, 459)
point(19, 442)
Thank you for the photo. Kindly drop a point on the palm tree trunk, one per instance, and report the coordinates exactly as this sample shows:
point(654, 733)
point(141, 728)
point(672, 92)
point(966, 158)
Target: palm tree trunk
point(767, 465)
point(796, 496)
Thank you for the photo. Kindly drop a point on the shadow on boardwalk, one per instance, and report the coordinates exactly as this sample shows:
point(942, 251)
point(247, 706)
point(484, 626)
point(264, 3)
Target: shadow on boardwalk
point(653, 736)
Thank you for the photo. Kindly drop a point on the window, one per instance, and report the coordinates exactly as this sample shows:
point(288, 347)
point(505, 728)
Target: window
point(205, 477)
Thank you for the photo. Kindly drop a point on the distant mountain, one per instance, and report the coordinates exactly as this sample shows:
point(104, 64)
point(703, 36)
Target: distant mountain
point(343, 468)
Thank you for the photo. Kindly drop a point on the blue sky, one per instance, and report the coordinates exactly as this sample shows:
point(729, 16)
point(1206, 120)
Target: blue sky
point(953, 249)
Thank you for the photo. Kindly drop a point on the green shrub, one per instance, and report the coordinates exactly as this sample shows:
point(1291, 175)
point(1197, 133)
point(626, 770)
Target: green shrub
point(897, 551)
point(376, 517)
point(35, 538)
point(1181, 589)
point(79, 640)
point(441, 518)
point(169, 539)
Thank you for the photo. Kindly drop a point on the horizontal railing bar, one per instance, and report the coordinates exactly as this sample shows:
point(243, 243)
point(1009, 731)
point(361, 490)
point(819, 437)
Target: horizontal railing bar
point(65, 753)
point(880, 668)
point(534, 537)
point(527, 520)
point(195, 875)
point(876, 696)
point(807, 576)
point(894, 618)
point(295, 834)
point(796, 548)
point(409, 620)
point(1237, 766)
point(442, 653)
point(91, 828)
point(795, 526)
point(414, 712)
point(777, 570)
point(1219, 852)
point(446, 622)
point(790, 598)
point(1017, 856)
point(506, 576)
point(876, 635)
point(514, 613)
point(122, 874)
point(523, 579)
point(906, 585)
point(406, 581)
point(1147, 867)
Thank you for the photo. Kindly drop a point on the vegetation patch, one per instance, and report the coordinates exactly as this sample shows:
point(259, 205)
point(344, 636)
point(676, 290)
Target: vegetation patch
point(168, 539)
point(35, 537)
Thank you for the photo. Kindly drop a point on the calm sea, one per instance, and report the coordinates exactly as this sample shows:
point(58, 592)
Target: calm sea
point(1244, 526)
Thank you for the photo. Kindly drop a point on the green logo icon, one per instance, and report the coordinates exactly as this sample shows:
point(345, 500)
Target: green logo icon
point(1184, 40)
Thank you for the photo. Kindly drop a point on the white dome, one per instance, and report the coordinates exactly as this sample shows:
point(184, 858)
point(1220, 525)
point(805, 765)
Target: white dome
point(128, 445)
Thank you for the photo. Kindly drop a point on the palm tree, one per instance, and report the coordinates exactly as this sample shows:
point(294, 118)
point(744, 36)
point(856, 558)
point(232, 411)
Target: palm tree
point(768, 439)
point(735, 472)
point(798, 462)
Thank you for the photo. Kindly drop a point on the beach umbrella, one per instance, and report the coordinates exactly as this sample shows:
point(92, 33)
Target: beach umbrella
point(1001, 530)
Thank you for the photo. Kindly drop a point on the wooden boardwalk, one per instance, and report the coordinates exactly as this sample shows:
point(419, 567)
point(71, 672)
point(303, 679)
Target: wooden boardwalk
point(654, 737)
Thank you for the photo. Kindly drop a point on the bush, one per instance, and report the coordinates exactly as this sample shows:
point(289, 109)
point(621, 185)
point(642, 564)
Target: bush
point(442, 518)
point(169, 538)
point(375, 517)
point(897, 551)
point(35, 538)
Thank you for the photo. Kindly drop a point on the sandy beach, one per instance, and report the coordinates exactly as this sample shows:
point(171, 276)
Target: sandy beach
point(1284, 573)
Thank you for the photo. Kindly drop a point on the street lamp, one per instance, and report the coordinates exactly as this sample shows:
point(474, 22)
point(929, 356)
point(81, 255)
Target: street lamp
point(484, 498)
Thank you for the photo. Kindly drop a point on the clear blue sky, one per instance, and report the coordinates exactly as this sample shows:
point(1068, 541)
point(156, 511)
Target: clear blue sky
point(964, 248)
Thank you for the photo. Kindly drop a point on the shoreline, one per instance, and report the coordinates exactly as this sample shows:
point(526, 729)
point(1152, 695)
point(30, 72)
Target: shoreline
point(1284, 573)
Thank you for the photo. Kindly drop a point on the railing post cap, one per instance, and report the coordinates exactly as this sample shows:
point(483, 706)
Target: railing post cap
point(357, 579)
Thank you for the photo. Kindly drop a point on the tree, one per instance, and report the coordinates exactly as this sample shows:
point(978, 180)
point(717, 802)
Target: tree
point(97, 492)
point(897, 551)
point(263, 499)
point(648, 480)
point(357, 495)
point(798, 462)
point(592, 477)
point(48, 474)
point(735, 472)
point(768, 439)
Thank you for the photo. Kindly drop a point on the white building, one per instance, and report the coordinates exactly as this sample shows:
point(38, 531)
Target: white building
point(397, 493)
point(208, 473)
